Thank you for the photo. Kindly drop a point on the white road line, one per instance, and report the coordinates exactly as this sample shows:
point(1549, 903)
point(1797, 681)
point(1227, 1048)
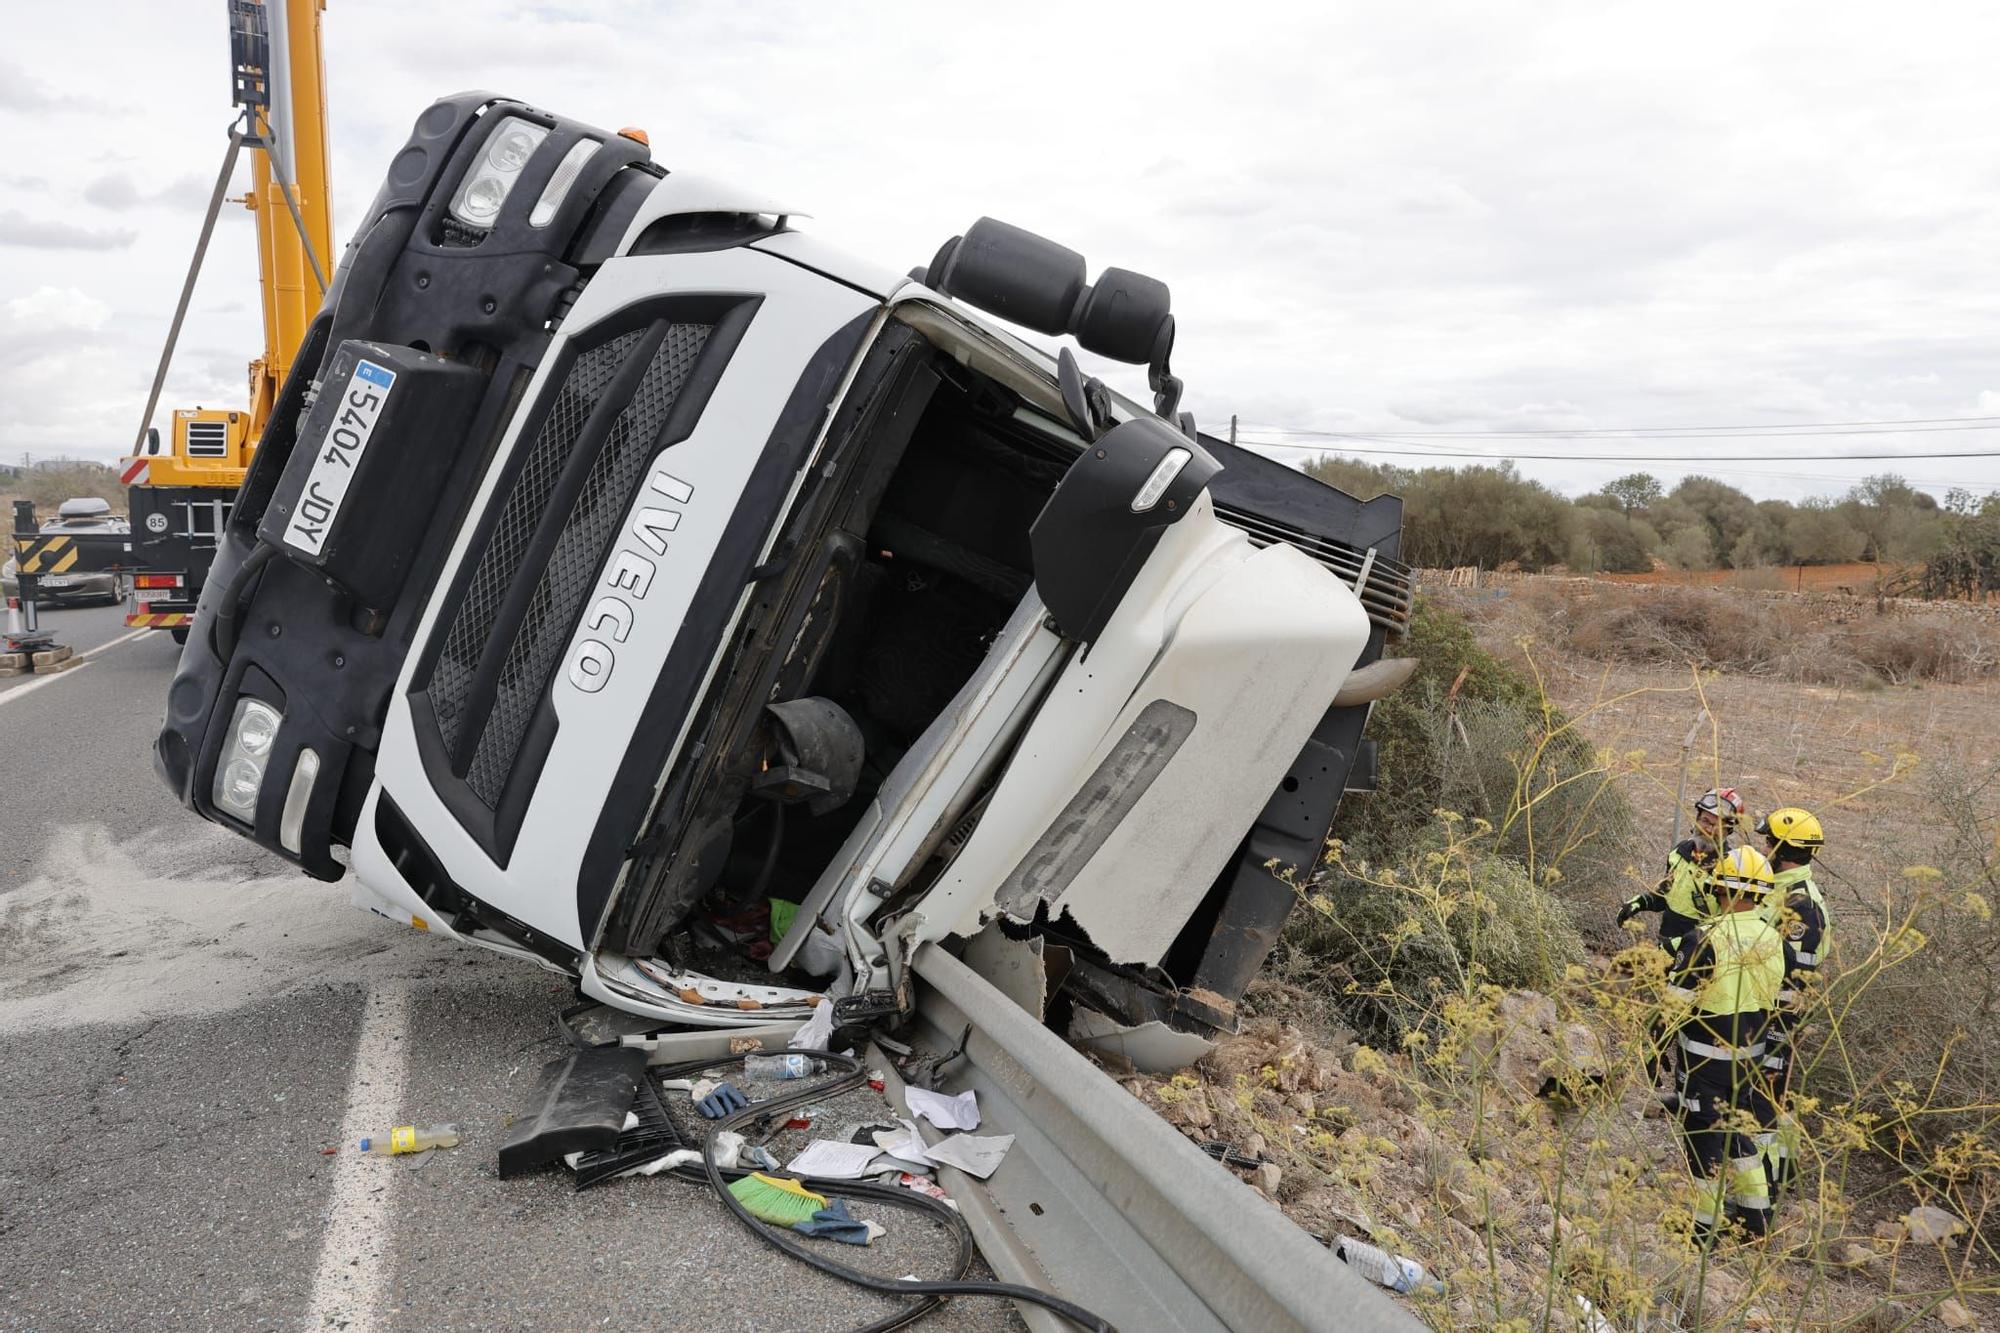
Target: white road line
point(355, 1255)
point(8, 696)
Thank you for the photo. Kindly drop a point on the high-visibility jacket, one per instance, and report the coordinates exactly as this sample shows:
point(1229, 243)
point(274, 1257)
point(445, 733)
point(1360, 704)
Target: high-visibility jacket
point(1728, 975)
point(1797, 911)
point(1682, 896)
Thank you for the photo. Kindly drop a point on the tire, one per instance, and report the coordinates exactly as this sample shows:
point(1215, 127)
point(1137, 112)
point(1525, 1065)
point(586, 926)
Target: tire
point(180, 633)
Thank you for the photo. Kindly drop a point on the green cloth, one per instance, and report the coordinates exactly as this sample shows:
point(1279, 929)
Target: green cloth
point(782, 914)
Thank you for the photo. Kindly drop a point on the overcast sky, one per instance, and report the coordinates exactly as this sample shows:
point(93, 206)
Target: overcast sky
point(1374, 218)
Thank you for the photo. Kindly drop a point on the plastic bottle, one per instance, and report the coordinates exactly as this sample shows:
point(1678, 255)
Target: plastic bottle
point(788, 1066)
point(408, 1138)
point(1385, 1269)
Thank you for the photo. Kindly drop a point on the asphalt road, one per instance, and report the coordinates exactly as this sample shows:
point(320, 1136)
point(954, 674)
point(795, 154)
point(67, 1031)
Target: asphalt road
point(187, 1029)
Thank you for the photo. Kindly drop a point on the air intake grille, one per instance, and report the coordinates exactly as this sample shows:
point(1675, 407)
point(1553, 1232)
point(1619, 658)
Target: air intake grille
point(207, 439)
point(451, 680)
point(587, 535)
point(1386, 587)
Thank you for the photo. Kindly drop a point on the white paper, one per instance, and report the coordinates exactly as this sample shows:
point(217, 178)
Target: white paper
point(903, 1148)
point(974, 1154)
point(817, 1030)
point(960, 1112)
point(834, 1160)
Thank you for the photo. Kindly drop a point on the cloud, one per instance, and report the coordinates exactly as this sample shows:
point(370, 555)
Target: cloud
point(19, 91)
point(35, 234)
point(114, 190)
point(56, 309)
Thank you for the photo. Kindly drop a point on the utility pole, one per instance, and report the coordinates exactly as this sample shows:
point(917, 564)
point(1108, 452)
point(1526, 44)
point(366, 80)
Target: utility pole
point(1232, 428)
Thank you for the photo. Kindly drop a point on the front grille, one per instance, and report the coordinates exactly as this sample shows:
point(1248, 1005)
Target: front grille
point(1386, 587)
point(207, 439)
point(587, 534)
point(451, 680)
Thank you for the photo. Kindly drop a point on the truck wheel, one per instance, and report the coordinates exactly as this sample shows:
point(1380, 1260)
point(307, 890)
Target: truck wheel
point(180, 633)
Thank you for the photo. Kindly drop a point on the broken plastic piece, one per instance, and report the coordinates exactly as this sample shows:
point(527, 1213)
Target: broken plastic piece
point(581, 1105)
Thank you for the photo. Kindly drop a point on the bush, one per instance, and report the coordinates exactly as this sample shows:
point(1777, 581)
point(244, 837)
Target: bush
point(1402, 906)
point(1750, 634)
point(1389, 941)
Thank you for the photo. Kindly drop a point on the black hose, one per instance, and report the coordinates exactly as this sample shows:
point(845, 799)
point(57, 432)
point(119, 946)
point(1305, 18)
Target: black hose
point(229, 606)
point(784, 1242)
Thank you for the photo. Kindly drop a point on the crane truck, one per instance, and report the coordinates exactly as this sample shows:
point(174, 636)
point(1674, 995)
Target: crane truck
point(183, 486)
point(630, 583)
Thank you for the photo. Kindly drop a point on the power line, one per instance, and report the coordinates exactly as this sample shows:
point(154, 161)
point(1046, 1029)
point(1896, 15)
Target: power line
point(1613, 458)
point(1766, 428)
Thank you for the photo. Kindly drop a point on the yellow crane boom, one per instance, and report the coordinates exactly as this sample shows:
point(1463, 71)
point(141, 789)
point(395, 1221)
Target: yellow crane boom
point(182, 489)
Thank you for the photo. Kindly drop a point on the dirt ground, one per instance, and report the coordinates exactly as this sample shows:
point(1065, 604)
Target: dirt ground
point(1870, 762)
point(1348, 1153)
point(1858, 576)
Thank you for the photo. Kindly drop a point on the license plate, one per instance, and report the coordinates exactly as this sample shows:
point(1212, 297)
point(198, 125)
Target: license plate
point(57, 581)
point(155, 594)
point(347, 436)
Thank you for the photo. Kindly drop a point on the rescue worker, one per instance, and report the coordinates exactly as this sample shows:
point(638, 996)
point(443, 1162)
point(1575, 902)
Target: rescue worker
point(1797, 911)
point(1722, 986)
point(1681, 897)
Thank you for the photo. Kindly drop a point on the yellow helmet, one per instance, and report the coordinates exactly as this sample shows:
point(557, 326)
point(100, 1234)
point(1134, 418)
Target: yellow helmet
point(1792, 827)
point(1744, 873)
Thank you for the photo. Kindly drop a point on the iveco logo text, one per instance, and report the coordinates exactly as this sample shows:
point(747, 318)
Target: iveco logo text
point(630, 575)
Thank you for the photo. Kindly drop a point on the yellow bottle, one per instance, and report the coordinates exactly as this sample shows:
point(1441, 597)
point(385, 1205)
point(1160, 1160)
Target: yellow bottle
point(408, 1138)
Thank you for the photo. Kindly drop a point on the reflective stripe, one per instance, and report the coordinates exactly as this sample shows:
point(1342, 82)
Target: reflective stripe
point(1809, 959)
point(1706, 1051)
point(1681, 993)
point(1777, 1062)
point(1788, 997)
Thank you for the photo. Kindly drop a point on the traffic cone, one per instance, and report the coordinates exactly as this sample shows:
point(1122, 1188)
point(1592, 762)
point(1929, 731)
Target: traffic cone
point(14, 626)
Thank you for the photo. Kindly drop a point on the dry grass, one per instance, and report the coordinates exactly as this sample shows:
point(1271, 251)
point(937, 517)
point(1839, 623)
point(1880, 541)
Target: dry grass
point(1823, 641)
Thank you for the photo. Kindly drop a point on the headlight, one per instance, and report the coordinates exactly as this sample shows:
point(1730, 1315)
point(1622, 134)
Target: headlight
point(485, 188)
point(246, 747)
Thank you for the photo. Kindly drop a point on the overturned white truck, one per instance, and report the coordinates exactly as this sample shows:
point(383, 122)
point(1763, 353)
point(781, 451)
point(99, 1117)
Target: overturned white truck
point(621, 566)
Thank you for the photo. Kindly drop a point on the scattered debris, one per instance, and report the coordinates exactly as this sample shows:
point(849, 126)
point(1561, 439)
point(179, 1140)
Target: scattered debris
point(726, 1099)
point(816, 1032)
point(1395, 1272)
point(925, 1185)
point(834, 1222)
point(791, 1065)
point(408, 1138)
point(828, 1159)
point(1151, 1048)
point(780, 1202)
point(975, 1154)
point(946, 1112)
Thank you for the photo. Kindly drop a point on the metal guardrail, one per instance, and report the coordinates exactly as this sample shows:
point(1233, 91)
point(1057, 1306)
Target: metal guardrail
point(1105, 1203)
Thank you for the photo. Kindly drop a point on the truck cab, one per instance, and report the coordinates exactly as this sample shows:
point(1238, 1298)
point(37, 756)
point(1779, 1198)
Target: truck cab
point(630, 583)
